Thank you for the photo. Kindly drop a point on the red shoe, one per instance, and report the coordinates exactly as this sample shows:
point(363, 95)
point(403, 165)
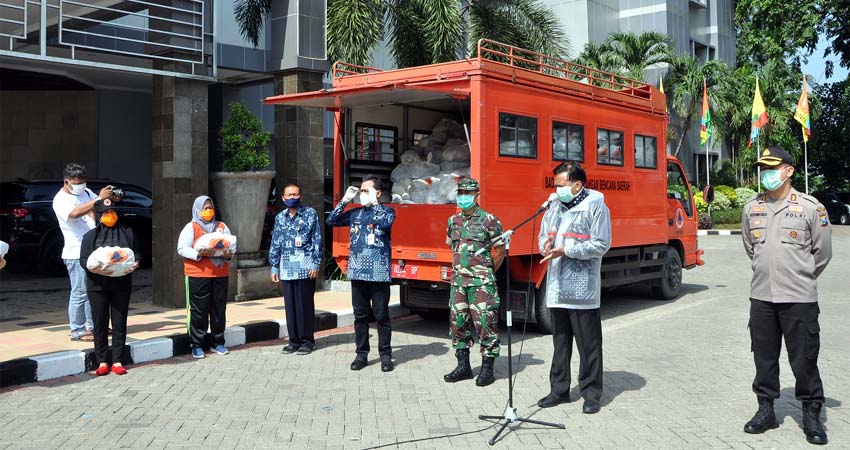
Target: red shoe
point(118, 370)
point(101, 371)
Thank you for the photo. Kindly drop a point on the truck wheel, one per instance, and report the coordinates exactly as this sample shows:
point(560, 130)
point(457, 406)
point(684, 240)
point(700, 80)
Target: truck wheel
point(671, 284)
point(541, 311)
point(50, 257)
point(844, 219)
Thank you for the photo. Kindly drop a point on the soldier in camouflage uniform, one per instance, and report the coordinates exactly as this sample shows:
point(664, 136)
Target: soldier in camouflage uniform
point(474, 298)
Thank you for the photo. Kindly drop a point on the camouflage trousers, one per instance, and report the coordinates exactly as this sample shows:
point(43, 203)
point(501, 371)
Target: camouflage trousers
point(475, 307)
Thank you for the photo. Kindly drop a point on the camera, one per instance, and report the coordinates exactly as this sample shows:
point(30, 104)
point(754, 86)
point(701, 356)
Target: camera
point(118, 193)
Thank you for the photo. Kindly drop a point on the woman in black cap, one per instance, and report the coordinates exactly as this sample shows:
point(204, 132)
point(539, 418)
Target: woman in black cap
point(109, 294)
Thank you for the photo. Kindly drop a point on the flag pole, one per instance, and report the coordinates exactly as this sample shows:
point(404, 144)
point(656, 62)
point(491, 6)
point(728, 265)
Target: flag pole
point(806, 161)
point(758, 168)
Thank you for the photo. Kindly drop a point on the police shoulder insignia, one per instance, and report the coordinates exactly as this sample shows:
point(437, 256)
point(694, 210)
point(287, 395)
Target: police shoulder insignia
point(821, 209)
point(793, 197)
point(823, 221)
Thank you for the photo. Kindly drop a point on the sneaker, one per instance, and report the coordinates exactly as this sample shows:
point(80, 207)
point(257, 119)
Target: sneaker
point(221, 350)
point(197, 352)
point(289, 349)
point(305, 349)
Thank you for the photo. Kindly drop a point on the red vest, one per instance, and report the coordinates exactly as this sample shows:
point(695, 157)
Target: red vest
point(204, 268)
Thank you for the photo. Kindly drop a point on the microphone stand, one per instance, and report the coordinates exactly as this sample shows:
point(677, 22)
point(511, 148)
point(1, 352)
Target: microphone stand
point(510, 415)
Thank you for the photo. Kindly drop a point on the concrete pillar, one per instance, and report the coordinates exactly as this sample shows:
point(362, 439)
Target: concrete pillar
point(299, 140)
point(180, 161)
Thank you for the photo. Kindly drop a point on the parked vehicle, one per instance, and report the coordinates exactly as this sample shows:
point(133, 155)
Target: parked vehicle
point(837, 208)
point(29, 225)
point(518, 108)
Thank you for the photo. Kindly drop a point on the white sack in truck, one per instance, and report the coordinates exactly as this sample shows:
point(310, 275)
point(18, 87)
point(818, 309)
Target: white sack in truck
point(421, 169)
point(116, 261)
point(409, 157)
point(419, 189)
point(218, 242)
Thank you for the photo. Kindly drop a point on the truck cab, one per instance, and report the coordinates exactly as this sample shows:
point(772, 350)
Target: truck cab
point(507, 118)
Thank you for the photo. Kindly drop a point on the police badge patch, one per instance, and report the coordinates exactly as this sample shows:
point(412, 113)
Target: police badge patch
point(793, 234)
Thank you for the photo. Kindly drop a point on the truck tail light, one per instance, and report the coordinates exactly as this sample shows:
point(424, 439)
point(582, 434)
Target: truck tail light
point(445, 273)
point(20, 213)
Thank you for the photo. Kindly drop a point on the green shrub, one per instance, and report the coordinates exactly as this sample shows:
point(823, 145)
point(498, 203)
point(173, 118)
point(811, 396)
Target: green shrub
point(729, 216)
point(728, 192)
point(704, 222)
point(744, 195)
point(243, 141)
point(721, 202)
point(702, 206)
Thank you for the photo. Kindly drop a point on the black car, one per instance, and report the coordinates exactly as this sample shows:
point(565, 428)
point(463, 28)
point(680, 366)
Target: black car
point(28, 223)
point(836, 204)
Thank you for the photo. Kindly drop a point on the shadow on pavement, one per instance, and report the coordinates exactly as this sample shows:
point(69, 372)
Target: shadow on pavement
point(788, 406)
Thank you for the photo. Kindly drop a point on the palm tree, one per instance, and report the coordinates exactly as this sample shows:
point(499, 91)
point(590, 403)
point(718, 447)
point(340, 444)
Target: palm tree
point(635, 52)
point(599, 56)
point(423, 31)
point(685, 81)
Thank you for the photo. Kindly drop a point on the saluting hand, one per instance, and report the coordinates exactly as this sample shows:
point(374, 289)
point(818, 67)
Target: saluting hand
point(350, 193)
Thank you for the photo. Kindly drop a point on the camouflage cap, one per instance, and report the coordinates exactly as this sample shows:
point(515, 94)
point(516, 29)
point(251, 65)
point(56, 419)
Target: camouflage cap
point(467, 184)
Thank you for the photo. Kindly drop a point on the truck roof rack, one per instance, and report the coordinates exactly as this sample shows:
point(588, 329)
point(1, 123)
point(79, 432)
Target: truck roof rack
point(559, 68)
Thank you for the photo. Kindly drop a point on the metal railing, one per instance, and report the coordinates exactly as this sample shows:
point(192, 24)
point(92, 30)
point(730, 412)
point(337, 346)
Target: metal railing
point(559, 68)
point(343, 69)
point(168, 37)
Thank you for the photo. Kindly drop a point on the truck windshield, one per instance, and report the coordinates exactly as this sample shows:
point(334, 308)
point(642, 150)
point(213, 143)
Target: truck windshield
point(677, 188)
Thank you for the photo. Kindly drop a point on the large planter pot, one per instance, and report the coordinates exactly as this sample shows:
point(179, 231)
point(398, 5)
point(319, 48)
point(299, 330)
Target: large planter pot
point(242, 198)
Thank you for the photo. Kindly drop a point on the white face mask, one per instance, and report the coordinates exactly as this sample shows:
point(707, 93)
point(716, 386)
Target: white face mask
point(364, 199)
point(78, 189)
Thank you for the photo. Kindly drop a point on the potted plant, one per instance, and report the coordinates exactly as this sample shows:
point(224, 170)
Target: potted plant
point(242, 189)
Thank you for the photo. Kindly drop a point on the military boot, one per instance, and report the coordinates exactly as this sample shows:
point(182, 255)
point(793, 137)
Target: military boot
point(765, 418)
point(485, 377)
point(812, 425)
point(463, 371)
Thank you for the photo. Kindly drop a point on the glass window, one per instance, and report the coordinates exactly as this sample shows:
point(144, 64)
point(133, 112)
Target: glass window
point(517, 136)
point(677, 188)
point(374, 142)
point(133, 199)
point(610, 147)
point(645, 154)
point(567, 142)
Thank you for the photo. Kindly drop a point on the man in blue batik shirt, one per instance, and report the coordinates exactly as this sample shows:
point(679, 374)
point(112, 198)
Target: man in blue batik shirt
point(294, 257)
point(368, 267)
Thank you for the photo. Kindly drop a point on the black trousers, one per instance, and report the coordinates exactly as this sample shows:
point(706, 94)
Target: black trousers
point(300, 310)
point(585, 325)
point(798, 322)
point(207, 304)
point(374, 296)
point(106, 304)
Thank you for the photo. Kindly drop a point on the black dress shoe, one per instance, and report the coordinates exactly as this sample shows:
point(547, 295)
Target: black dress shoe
point(358, 363)
point(591, 407)
point(551, 400)
point(387, 365)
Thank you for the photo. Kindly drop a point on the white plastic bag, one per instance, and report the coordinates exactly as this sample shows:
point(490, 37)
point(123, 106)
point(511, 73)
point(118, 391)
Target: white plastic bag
point(4, 248)
point(421, 169)
point(410, 156)
point(219, 242)
point(116, 261)
point(457, 153)
point(401, 172)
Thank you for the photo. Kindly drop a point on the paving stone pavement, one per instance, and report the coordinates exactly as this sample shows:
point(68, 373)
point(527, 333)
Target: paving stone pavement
point(677, 376)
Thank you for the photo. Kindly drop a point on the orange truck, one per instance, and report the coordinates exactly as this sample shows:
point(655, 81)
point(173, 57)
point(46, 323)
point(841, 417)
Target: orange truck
point(522, 113)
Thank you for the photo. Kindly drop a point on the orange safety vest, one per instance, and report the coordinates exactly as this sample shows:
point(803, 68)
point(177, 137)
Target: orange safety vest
point(204, 268)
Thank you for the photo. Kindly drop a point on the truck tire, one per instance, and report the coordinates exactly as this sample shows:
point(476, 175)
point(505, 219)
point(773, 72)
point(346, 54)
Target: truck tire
point(671, 283)
point(844, 219)
point(541, 312)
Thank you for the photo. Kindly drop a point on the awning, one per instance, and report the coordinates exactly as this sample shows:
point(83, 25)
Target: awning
point(388, 94)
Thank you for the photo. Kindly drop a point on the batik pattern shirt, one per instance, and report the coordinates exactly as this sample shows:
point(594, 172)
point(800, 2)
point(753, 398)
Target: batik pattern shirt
point(370, 229)
point(296, 246)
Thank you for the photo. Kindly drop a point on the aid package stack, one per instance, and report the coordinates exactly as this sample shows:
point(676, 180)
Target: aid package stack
point(218, 242)
point(116, 261)
point(428, 173)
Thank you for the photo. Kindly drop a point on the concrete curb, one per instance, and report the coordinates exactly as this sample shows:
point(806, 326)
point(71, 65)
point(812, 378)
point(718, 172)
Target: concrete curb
point(718, 232)
point(74, 362)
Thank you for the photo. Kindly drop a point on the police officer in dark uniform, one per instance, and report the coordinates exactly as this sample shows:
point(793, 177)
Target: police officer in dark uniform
point(787, 236)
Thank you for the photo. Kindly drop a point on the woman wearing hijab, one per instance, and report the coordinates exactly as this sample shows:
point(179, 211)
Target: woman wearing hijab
point(206, 279)
point(109, 296)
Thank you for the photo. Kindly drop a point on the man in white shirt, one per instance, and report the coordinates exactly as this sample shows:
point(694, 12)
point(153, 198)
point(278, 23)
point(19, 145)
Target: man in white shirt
point(73, 206)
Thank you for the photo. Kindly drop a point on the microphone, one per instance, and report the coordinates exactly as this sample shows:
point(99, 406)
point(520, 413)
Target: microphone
point(553, 197)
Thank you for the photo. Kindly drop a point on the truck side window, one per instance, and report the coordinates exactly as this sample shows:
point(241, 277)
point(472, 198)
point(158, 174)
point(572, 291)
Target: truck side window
point(374, 142)
point(567, 142)
point(517, 136)
point(677, 188)
point(645, 154)
point(609, 149)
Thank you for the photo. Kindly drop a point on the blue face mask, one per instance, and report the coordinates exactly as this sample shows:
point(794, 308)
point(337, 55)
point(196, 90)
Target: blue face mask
point(465, 201)
point(771, 179)
point(565, 194)
point(292, 202)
